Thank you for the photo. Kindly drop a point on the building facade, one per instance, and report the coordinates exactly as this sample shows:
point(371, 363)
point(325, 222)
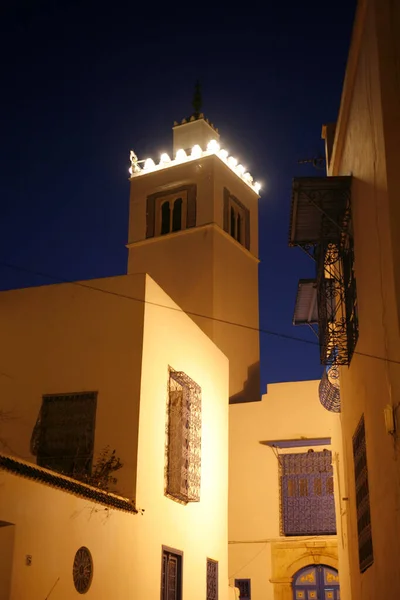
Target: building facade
point(111, 363)
point(356, 212)
point(285, 533)
point(115, 402)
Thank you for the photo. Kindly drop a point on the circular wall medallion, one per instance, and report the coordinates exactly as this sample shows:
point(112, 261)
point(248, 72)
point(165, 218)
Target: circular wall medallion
point(82, 571)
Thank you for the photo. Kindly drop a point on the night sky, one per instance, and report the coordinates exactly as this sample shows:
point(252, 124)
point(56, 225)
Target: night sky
point(82, 85)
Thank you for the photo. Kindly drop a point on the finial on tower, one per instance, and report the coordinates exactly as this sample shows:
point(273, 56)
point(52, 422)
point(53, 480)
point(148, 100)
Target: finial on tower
point(197, 100)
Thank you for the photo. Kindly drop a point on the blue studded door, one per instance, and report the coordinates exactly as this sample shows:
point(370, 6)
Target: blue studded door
point(316, 582)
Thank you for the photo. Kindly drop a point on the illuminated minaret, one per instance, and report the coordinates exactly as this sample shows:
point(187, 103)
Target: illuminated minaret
point(193, 227)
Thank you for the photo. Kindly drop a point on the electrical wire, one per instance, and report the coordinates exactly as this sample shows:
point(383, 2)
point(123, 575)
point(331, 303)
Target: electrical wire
point(178, 309)
point(250, 561)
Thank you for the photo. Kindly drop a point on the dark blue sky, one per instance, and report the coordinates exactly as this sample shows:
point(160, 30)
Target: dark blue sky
point(82, 85)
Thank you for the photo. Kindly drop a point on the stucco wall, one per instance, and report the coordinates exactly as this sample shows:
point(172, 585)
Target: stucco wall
point(235, 280)
point(51, 525)
point(203, 268)
point(256, 548)
point(199, 529)
point(367, 147)
point(7, 531)
point(70, 338)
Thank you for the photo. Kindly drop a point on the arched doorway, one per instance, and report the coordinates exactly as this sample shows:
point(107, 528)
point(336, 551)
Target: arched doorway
point(316, 582)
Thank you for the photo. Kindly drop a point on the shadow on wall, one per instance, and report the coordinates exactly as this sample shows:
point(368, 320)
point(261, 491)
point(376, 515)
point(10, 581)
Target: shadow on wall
point(251, 387)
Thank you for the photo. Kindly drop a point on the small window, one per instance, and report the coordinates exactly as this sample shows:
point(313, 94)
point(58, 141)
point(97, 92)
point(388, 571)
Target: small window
point(171, 210)
point(233, 223)
point(165, 217)
point(244, 586)
point(172, 216)
point(365, 548)
point(171, 576)
point(212, 579)
point(239, 233)
point(308, 507)
point(82, 570)
point(236, 219)
point(177, 215)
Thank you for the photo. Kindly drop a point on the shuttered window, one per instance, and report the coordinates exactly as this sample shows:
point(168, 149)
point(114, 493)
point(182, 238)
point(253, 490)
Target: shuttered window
point(171, 576)
point(212, 579)
point(365, 548)
point(64, 433)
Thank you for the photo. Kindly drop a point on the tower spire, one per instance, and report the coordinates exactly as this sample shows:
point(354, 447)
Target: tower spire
point(197, 99)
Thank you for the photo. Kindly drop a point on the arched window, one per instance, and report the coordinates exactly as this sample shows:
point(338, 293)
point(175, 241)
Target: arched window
point(177, 215)
point(236, 219)
point(165, 218)
point(233, 223)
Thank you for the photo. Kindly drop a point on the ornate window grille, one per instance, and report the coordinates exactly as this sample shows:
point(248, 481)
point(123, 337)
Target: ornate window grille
point(307, 501)
point(63, 437)
point(244, 586)
point(212, 579)
point(329, 389)
point(82, 570)
point(321, 226)
point(183, 438)
point(365, 548)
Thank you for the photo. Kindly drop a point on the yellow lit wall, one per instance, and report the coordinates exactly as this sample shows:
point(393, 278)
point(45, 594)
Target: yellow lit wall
point(199, 529)
point(203, 268)
point(68, 338)
point(50, 526)
point(367, 146)
point(256, 548)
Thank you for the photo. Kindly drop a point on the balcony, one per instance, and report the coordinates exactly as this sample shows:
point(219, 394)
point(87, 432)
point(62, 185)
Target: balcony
point(320, 224)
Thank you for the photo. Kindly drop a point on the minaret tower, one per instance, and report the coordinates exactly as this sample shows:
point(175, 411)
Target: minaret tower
point(193, 227)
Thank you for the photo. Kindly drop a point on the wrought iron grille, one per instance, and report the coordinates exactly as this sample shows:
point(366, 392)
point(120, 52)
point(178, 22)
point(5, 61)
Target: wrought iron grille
point(329, 389)
point(350, 294)
point(212, 579)
point(82, 570)
point(183, 438)
point(365, 548)
point(321, 225)
point(337, 301)
point(307, 493)
point(244, 586)
point(63, 437)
